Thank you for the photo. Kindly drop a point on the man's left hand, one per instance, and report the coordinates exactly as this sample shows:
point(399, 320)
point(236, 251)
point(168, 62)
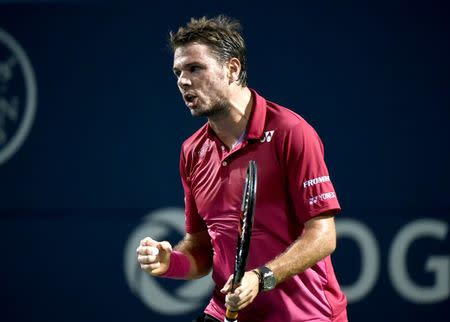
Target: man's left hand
point(242, 295)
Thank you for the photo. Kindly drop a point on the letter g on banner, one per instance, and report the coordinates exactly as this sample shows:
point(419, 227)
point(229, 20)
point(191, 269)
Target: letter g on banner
point(17, 96)
point(438, 265)
point(190, 296)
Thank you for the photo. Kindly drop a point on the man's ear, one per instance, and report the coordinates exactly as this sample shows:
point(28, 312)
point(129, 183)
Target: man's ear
point(234, 68)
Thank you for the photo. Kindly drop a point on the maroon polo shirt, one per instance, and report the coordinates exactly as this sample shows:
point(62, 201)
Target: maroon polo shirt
point(293, 186)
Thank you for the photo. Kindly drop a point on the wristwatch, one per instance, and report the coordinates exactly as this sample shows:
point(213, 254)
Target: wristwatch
point(267, 280)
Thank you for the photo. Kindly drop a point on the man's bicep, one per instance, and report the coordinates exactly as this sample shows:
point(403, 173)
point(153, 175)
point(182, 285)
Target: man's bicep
point(323, 228)
point(324, 221)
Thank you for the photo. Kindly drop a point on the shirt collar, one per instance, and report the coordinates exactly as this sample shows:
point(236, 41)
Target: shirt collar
point(257, 117)
point(257, 120)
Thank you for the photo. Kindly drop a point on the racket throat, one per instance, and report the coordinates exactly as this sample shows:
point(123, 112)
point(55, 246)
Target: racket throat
point(231, 316)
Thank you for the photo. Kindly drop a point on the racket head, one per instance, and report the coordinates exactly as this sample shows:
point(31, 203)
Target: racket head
point(246, 222)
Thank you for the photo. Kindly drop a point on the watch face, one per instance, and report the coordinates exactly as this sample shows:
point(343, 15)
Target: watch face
point(268, 280)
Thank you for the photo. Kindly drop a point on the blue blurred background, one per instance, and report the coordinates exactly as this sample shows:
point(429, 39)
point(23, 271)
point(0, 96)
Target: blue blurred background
point(90, 134)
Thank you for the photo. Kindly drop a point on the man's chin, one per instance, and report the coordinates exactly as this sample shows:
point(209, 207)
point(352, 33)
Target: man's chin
point(208, 112)
point(200, 112)
point(196, 112)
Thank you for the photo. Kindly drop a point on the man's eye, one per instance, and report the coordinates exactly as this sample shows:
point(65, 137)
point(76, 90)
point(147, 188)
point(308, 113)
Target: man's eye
point(194, 69)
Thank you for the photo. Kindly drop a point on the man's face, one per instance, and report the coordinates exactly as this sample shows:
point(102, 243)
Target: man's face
point(202, 80)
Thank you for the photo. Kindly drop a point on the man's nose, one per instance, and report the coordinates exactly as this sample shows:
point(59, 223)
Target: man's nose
point(184, 81)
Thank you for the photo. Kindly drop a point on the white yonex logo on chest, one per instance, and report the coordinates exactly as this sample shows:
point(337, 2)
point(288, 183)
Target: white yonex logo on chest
point(267, 136)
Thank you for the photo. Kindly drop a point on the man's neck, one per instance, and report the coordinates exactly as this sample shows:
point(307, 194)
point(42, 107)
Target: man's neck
point(230, 127)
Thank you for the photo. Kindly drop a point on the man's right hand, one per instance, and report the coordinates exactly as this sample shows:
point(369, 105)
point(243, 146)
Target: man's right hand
point(154, 256)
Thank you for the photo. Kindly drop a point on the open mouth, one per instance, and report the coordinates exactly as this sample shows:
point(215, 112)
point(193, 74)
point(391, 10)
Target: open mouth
point(189, 98)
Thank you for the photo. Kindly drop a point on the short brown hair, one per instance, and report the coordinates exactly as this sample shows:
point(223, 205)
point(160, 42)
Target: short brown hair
point(223, 36)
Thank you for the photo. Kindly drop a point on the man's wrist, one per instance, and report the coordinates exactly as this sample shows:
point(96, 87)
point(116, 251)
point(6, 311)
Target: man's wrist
point(266, 278)
point(179, 266)
point(258, 275)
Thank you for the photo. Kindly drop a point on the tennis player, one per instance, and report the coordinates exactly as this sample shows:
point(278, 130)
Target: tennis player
point(289, 273)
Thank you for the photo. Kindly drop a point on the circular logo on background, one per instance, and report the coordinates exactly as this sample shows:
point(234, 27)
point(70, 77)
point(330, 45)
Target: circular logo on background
point(187, 296)
point(18, 96)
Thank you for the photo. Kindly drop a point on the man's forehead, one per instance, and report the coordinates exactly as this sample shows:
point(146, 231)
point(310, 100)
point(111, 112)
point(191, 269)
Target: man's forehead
point(192, 52)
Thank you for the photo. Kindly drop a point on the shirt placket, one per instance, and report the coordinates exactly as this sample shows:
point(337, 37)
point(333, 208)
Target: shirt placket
point(226, 157)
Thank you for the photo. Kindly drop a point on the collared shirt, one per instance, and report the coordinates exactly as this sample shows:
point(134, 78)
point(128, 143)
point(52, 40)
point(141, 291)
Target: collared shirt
point(293, 187)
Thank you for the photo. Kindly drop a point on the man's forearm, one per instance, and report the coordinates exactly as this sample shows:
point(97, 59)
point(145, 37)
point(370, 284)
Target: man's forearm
point(198, 250)
point(317, 242)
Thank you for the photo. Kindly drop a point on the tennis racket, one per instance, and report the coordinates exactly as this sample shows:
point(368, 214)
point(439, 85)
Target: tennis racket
point(244, 231)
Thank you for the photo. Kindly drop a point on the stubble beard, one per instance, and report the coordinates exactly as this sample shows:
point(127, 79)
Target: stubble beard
point(218, 109)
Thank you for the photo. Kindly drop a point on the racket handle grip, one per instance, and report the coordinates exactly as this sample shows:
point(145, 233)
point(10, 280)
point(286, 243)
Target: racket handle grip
point(231, 316)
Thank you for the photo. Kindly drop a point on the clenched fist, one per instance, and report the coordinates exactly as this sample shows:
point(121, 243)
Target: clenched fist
point(154, 256)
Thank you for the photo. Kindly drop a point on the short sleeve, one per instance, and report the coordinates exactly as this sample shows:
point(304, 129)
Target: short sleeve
point(194, 223)
point(310, 186)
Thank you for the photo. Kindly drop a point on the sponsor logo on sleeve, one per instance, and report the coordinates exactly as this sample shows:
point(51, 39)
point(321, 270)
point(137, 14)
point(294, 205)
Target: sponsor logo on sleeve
point(312, 182)
point(322, 197)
